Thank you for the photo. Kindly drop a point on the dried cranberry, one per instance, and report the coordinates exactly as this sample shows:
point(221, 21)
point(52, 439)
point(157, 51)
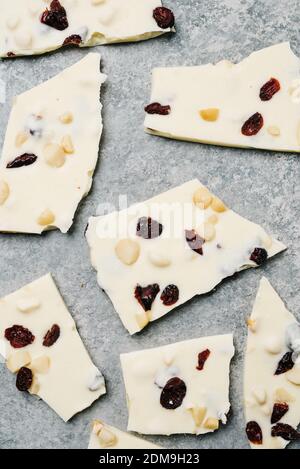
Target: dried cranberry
point(24, 379)
point(11, 54)
point(194, 241)
point(148, 228)
point(157, 108)
point(170, 295)
point(279, 410)
point(269, 89)
point(253, 125)
point(146, 295)
point(24, 160)
point(285, 431)
point(51, 336)
point(18, 336)
point(259, 256)
point(56, 17)
point(173, 393)
point(254, 433)
point(164, 17)
point(285, 364)
point(73, 40)
point(202, 357)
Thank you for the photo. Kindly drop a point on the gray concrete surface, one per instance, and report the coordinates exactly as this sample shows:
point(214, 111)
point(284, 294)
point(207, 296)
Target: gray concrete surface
point(260, 185)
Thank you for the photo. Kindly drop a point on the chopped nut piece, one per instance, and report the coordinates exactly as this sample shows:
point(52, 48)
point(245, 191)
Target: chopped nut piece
point(40, 364)
point(198, 414)
point(202, 198)
point(107, 438)
point(67, 144)
point(266, 410)
point(17, 360)
point(209, 231)
point(218, 206)
point(273, 345)
point(281, 395)
point(35, 387)
point(54, 155)
point(159, 259)
point(252, 324)
point(4, 192)
point(293, 376)
point(97, 426)
point(211, 424)
point(213, 219)
point(210, 115)
point(66, 118)
point(26, 305)
point(260, 395)
point(142, 320)
point(127, 251)
point(21, 138)
point(274, 130)
point(46, 218)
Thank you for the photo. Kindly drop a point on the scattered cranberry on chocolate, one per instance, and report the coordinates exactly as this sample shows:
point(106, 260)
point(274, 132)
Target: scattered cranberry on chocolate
point(146, 295)
point(285, 431)
point(73, 40)
point(269, 89)
point(173, 394)
point(51, 336)
point(157, 108)
point(24, 379)
point(279, 410)
point(26, 159)
point(11, 54)
point(253, 125)
point(56, 17)
point(202, 357)
point(194, 241)
point(254, 433)
point(148, 228)
point(285, 364)
point(19, 336)
point(170, 295)
point(259, 256)
point(164, 17)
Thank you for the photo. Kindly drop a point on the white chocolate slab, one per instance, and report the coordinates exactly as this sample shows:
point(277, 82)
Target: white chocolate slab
point(168, 259)
point(48, 121)
point(96, 22)
point(64, 383)
point(147, 372)
point(267, 344)
point(104, 436)
point(235, 91)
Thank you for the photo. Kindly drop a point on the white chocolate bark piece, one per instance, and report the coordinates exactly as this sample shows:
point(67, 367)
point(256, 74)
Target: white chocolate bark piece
point(104, 436)
point(272, 395)
point(211, 103)
point(26, 29)
point(126, 262)
point(50, 152)
point(173, 389)
point(63, 374)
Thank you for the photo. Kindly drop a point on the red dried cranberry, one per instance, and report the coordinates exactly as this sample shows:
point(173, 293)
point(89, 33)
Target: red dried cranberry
point(148, 228)
point(157, 108)
point(170, 295)
point(146, 295)
point(11, 54)
point(24, 160)
point(269, 89)
point(56, 17)
point(194, 241)
point(164, 17)
point(253, 125)
point(73, 40)
point(18, 336)
point(285, 431)
point(259, 256)
point(254, 433)
point(285, 364)
point(279, 410)
point(202, 357)
point(173, 393)
point(51, 336)
point(24, 379)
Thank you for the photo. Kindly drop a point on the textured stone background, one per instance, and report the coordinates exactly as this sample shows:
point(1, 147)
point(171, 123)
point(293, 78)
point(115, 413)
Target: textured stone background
point(260, 185)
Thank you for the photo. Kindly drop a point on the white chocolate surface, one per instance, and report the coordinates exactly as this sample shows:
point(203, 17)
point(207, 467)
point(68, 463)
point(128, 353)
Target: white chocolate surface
point(168, 259)
point(102, 22)
point(60, 122)
point(146, 373)
point(64, 384)
point(266, 346)
point(233, 89)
